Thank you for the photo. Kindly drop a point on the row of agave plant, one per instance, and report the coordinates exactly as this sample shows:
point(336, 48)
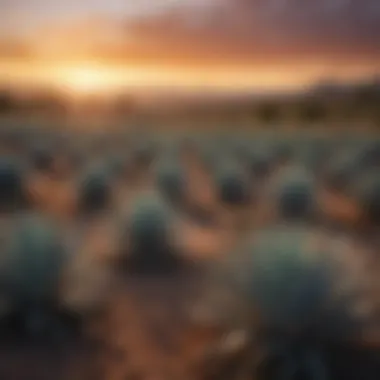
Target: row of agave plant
point(286, 273)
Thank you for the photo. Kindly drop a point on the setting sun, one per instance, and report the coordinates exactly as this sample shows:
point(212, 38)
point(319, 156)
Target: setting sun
point(86, 80)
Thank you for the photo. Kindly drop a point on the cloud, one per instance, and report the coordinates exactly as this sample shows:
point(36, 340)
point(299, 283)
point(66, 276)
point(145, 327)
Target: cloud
point(257, 30)
point(15, 49)
point(214, 32)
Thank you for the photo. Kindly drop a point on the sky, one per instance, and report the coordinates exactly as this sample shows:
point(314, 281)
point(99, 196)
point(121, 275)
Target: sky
point(104, 45)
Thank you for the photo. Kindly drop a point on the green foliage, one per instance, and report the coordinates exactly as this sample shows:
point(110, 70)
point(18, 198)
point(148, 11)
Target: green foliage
point(232, 184)
point(291, 283)
point(117, 164)
point(289, 288)
point(312, 112)
point(296, 194)
point(34, 261)
point(268, 113)
point(290, 361)
point(170, 179)
point(341, 171)
point(367, 192)
point(144, 151)
point(42, 158)
point(11, 182)
point(6, 102)
point(150, 225)
point(259, 161)
point(95, 189)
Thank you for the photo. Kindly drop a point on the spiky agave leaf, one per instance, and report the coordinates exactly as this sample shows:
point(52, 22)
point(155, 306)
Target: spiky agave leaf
point(34, 260)
point(150, 232)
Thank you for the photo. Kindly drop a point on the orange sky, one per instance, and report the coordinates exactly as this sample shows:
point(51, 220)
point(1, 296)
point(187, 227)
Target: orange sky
point(106, 45)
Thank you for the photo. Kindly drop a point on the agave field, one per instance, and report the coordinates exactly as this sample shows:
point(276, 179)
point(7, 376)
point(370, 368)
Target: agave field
point(189, 256)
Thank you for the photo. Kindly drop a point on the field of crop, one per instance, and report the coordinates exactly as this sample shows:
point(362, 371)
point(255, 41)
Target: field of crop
point(190, 255)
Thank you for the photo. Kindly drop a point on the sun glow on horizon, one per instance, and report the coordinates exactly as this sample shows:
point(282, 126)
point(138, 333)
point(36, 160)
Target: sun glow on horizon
point(93, 78)
point(85, 80)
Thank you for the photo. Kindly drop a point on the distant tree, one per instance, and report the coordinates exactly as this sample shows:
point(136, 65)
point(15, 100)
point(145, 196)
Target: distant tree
point(124, 105)
point(312, 112)
point(6, 102)
point(368, 94)
point(268, 113)
point(376, 118)
point(47, 103)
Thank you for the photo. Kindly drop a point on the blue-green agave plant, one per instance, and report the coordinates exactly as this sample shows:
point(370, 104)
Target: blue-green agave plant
point(170, 179)
point(95, 189)
point(232, 184)
point(11, 182)
point(150, 231)
point(369, 154)
point(289, 287)
point(42, 158)
point(291, 284)
point(367, 193)
point(259, 161)
point(295, 194)
point(314, 155)
point(210, 153)
point(117, 164)
point(35, 257)
point(342, 171)
point(144, 151)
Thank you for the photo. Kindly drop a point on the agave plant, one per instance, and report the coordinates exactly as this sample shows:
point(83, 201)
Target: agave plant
point(150, 232)
point(367, 194)
point(171, 180)
point(232, 184)
point(314, 154)
point(210, 153)
point(341, 172)
point(34, 260)
point(42, 158)
point(298, 318)
point(144, 151)
point(292, 284)
point(259, 161)
point(117, 163)
point(11, 183)
point(369, 154)
point(94, 189)
point(288, 286)
point(295, 194)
